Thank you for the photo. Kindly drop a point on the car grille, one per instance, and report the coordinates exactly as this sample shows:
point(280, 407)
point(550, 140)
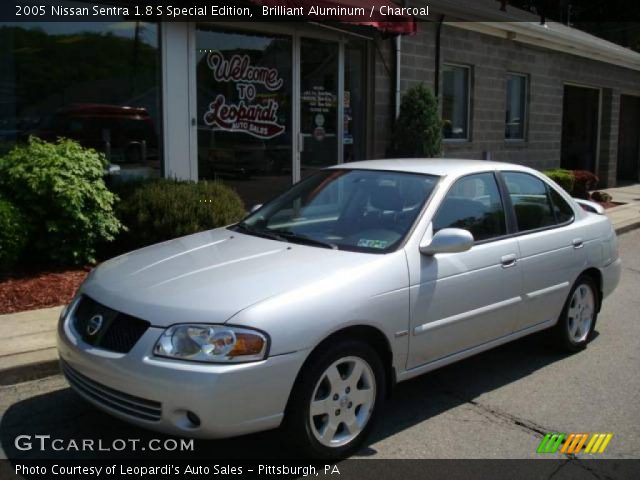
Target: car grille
point(117, 332)
point(122, 402)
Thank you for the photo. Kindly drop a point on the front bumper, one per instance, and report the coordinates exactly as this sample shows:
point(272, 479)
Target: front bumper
point(157, 393)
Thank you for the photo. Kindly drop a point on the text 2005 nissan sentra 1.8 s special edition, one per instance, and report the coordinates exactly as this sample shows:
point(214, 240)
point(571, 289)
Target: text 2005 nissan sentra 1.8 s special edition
point(307, 312)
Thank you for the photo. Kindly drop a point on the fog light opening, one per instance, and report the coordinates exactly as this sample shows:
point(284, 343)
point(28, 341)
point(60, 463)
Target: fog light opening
point(193, 418)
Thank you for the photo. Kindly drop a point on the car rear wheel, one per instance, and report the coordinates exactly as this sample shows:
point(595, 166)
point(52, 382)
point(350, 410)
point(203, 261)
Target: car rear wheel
point(578, 319)
point(336, 400)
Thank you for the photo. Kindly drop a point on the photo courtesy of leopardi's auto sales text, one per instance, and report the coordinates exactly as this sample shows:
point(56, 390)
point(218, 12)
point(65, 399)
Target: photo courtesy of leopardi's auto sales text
point(345, 239)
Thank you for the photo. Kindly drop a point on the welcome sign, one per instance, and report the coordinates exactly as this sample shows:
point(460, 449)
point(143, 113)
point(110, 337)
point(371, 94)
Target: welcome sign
point(257, 119)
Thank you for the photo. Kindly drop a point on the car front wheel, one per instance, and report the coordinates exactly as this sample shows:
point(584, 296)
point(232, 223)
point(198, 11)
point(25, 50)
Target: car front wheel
point(336, 400)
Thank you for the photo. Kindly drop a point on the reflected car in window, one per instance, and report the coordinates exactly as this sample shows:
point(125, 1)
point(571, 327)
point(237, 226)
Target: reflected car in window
point(306, 313)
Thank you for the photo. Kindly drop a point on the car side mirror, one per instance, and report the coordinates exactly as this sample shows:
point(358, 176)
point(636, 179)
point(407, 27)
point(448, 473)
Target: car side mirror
point(448, 240)
point(256, 207)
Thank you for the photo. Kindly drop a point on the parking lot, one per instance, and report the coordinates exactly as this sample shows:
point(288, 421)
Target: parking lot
point(496, 405)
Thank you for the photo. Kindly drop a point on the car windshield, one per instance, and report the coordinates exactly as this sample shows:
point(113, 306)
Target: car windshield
point(356, 210)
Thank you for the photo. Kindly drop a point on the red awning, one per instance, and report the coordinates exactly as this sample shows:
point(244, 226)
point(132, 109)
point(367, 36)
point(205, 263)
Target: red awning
point(388, 23)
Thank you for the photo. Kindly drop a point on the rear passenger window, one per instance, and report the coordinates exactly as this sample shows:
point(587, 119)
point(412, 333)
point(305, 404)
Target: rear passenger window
point(563, 211)
point(530, 201)
point(473, 204)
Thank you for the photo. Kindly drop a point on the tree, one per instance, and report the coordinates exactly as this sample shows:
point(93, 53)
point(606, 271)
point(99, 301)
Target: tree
point(418, 129)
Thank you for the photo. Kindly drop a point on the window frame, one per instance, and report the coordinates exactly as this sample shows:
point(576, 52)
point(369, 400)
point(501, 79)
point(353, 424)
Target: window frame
point(505, 207)
point(469, 69)
point(525, 119)
point(513, 223)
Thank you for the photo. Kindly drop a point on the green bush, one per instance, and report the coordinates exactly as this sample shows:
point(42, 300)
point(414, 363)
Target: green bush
point(13, 234)
point(163, 209)
point(562, 177)
point(418, 129)
point(60, 189)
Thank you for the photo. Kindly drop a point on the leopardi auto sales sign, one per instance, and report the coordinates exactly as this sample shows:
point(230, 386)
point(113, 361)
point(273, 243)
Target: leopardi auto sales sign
point(257, 119)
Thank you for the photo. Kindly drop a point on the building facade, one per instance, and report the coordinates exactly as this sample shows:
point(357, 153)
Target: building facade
point(261, 105)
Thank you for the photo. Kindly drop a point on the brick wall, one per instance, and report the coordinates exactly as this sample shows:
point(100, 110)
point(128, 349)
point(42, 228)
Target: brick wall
point(490, 59)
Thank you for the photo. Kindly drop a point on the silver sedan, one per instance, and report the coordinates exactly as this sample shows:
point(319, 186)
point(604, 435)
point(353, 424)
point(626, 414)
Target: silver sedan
point(305, 314)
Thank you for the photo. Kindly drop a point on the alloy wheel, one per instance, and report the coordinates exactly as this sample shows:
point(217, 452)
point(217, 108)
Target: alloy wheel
point(342, 401)
point(580, 313)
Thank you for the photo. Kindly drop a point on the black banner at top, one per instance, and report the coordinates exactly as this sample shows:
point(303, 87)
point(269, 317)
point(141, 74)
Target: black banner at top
point(569, 12)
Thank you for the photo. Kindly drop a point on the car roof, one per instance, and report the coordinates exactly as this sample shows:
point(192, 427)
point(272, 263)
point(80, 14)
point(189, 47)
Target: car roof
point(434, 166)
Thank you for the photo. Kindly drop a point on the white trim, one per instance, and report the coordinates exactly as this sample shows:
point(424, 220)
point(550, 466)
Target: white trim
point(193, 101)
point(557, 37)
point(176, 101)
point(441, 362)
point(297, 142)
point(547, 291)
point(460, 317)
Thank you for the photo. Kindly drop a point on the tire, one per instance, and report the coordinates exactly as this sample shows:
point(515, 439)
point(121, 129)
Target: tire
point(347, 384)
point(578, 318)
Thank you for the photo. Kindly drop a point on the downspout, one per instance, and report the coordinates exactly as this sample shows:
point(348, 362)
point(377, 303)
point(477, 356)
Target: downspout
point(398, 43)
point(436, 87)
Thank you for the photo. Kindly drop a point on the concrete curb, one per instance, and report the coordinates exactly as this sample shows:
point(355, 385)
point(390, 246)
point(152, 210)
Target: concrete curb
point(29, 371)
point(627, 228)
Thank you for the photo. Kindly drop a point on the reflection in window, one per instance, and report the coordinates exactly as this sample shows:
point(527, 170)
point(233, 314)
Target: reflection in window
point(473, 204)
point(244, 111)
point(530, 201)
point(563, 211)
point(516, 107)
point(362, 210)
point(96, 83)
point(455, 102)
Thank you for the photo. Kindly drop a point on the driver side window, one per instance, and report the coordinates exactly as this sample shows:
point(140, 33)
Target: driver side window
point(473, 203)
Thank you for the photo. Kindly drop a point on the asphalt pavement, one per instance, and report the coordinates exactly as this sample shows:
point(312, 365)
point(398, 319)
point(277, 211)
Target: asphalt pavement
point(498, 404)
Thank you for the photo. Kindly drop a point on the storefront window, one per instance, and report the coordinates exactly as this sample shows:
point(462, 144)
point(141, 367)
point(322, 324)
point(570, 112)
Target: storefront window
point(97, 83)
point(455, 102)
point(244, 111)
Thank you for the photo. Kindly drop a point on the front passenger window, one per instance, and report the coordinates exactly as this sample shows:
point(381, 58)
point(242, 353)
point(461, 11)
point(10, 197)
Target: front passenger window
point(473, 204)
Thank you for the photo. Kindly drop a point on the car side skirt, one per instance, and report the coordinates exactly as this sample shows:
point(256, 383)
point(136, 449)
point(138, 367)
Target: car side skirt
point(441, 362)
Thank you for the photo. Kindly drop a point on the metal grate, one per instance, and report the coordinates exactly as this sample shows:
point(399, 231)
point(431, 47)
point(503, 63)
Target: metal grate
point(122, 402)
point(117, 332)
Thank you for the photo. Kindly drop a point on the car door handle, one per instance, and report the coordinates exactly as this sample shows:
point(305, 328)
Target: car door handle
point(577, 243)
point(509, 260)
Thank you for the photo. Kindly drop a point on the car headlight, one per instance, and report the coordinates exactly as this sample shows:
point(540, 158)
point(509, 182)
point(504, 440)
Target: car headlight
point(212, 343)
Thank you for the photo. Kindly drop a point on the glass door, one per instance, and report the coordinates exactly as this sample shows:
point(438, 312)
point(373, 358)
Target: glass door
point(244, 111)
point(319, 94)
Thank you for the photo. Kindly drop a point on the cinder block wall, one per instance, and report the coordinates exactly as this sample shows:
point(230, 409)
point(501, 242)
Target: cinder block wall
point(490, 59)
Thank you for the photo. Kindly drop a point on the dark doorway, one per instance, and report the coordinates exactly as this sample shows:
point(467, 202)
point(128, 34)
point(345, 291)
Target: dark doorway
point(580, 119)
point(629, 140)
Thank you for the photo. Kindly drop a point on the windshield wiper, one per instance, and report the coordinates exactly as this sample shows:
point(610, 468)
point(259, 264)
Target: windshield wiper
point(259, 232)
point(298, 238)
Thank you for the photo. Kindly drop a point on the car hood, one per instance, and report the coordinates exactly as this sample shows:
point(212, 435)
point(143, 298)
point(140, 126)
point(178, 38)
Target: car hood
point(210, 276)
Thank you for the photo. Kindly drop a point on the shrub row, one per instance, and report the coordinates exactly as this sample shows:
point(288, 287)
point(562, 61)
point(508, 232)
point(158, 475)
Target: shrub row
point(575, 182)
point(56, 210)
point(159, 210)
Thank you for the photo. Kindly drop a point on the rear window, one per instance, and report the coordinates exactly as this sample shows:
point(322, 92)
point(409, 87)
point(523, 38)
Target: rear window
point(530, 201)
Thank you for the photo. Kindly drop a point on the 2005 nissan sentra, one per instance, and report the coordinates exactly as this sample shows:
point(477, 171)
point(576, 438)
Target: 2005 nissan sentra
point(307, 312)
